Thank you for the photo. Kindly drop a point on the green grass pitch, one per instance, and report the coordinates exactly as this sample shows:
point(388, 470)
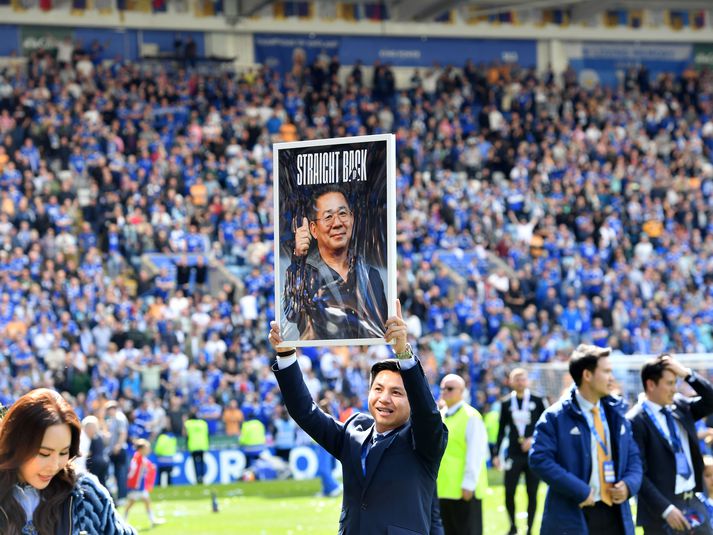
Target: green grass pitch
point(286, 508)
point(276, 508)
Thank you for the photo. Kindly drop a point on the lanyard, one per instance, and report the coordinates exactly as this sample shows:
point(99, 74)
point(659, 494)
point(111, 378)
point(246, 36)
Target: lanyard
point(673, 439)
point(519, 424)
point(600, 440)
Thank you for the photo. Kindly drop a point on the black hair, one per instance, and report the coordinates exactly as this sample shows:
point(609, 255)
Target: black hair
point(585, 357)
point(653, 369)
point(321, 192)
point(391, 365)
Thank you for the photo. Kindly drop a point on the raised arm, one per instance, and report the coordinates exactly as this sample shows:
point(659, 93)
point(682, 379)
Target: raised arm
point(324, 429)
point(429, 431)
point(702, 405)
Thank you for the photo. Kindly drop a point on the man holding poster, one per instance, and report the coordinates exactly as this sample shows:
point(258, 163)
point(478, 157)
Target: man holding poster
point(331, 292)
point(335, 240)
point(390, 456)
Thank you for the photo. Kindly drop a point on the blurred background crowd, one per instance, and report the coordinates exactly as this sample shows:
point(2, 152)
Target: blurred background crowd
point(532, 214)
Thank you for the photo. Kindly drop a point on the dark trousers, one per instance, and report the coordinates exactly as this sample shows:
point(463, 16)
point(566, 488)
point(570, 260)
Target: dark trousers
point(99, 469)
point(603, 519)
point(461, 517)
point(198, 465)
point(512, 478)
point(283, 453)
point(325, 469)
point(167, 469)
point(119, 461)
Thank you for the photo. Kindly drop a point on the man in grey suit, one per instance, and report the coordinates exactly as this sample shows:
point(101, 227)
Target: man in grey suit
point(390, 458)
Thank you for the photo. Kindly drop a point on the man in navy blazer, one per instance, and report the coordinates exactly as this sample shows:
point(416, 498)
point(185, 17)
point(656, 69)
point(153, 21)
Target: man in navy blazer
point(585, 495)
point(673, 465)
point(389, 458)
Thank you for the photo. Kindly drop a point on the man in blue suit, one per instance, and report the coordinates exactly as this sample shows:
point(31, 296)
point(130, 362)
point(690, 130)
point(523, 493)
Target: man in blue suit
point(389, 458)
point(584, 449)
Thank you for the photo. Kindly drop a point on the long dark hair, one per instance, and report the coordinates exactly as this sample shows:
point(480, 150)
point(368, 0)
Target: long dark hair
point(21, 432)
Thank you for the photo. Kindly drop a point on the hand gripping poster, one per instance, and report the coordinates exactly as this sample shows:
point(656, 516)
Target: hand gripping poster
point(335, 240)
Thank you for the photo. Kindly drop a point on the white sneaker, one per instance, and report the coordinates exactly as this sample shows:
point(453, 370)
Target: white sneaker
point(336, 492)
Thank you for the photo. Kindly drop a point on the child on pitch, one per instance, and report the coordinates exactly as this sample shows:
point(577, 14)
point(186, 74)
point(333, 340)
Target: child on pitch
point(141, 479)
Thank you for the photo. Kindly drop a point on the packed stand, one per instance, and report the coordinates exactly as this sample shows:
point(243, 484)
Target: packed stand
point(533, 215)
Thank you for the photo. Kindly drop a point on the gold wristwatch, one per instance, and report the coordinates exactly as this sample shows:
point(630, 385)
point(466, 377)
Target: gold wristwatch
point(406, 353)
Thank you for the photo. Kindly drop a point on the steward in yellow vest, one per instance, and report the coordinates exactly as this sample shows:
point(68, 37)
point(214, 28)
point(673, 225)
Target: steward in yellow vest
point(165, 450)
point(462, 477)
point(197, 442)
point(253, 435)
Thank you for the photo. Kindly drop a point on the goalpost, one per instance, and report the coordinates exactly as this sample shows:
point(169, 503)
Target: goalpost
point(552, 379)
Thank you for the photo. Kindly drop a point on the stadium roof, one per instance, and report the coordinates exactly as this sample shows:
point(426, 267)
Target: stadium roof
point(425, 10)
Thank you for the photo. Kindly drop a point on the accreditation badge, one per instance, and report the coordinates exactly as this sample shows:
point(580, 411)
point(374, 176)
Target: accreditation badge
point(609, 474)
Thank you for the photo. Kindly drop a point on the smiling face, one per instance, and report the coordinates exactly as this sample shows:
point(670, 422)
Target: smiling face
point(388, 403)
point(333, 223)
point(52, 457)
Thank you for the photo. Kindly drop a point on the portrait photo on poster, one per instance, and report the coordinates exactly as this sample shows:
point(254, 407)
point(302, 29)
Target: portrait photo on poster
point(335, 240)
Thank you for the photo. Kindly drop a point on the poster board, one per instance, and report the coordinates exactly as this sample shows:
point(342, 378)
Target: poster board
point(335, 240)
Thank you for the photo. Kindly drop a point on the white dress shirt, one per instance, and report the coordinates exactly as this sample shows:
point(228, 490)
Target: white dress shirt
point(587, 407)
point(284, 362)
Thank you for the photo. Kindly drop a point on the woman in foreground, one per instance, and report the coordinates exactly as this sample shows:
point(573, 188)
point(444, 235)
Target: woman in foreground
point(40, 494)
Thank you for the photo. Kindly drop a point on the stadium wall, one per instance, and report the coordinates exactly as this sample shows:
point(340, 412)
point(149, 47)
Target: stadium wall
point(596, 60)
point(229, 465)
point(191, 20)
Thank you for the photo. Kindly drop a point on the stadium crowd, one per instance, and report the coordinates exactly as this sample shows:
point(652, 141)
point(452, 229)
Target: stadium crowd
point(533, 214)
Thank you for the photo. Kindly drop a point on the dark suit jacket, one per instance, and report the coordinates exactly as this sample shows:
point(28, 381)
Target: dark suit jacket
point(508, 426)
point(657, 456)
point(395, 497)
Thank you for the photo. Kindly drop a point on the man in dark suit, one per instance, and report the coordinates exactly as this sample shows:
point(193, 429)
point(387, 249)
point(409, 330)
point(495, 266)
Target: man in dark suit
point(519, 412)
point(664, 427)
point(389, 458)
point(584, 450)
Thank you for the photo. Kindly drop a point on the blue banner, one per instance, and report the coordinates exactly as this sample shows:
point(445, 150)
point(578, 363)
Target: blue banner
point(229, 465)
point(425, 51)
point(607, 63)
point(10, 42)
point(278, 50)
